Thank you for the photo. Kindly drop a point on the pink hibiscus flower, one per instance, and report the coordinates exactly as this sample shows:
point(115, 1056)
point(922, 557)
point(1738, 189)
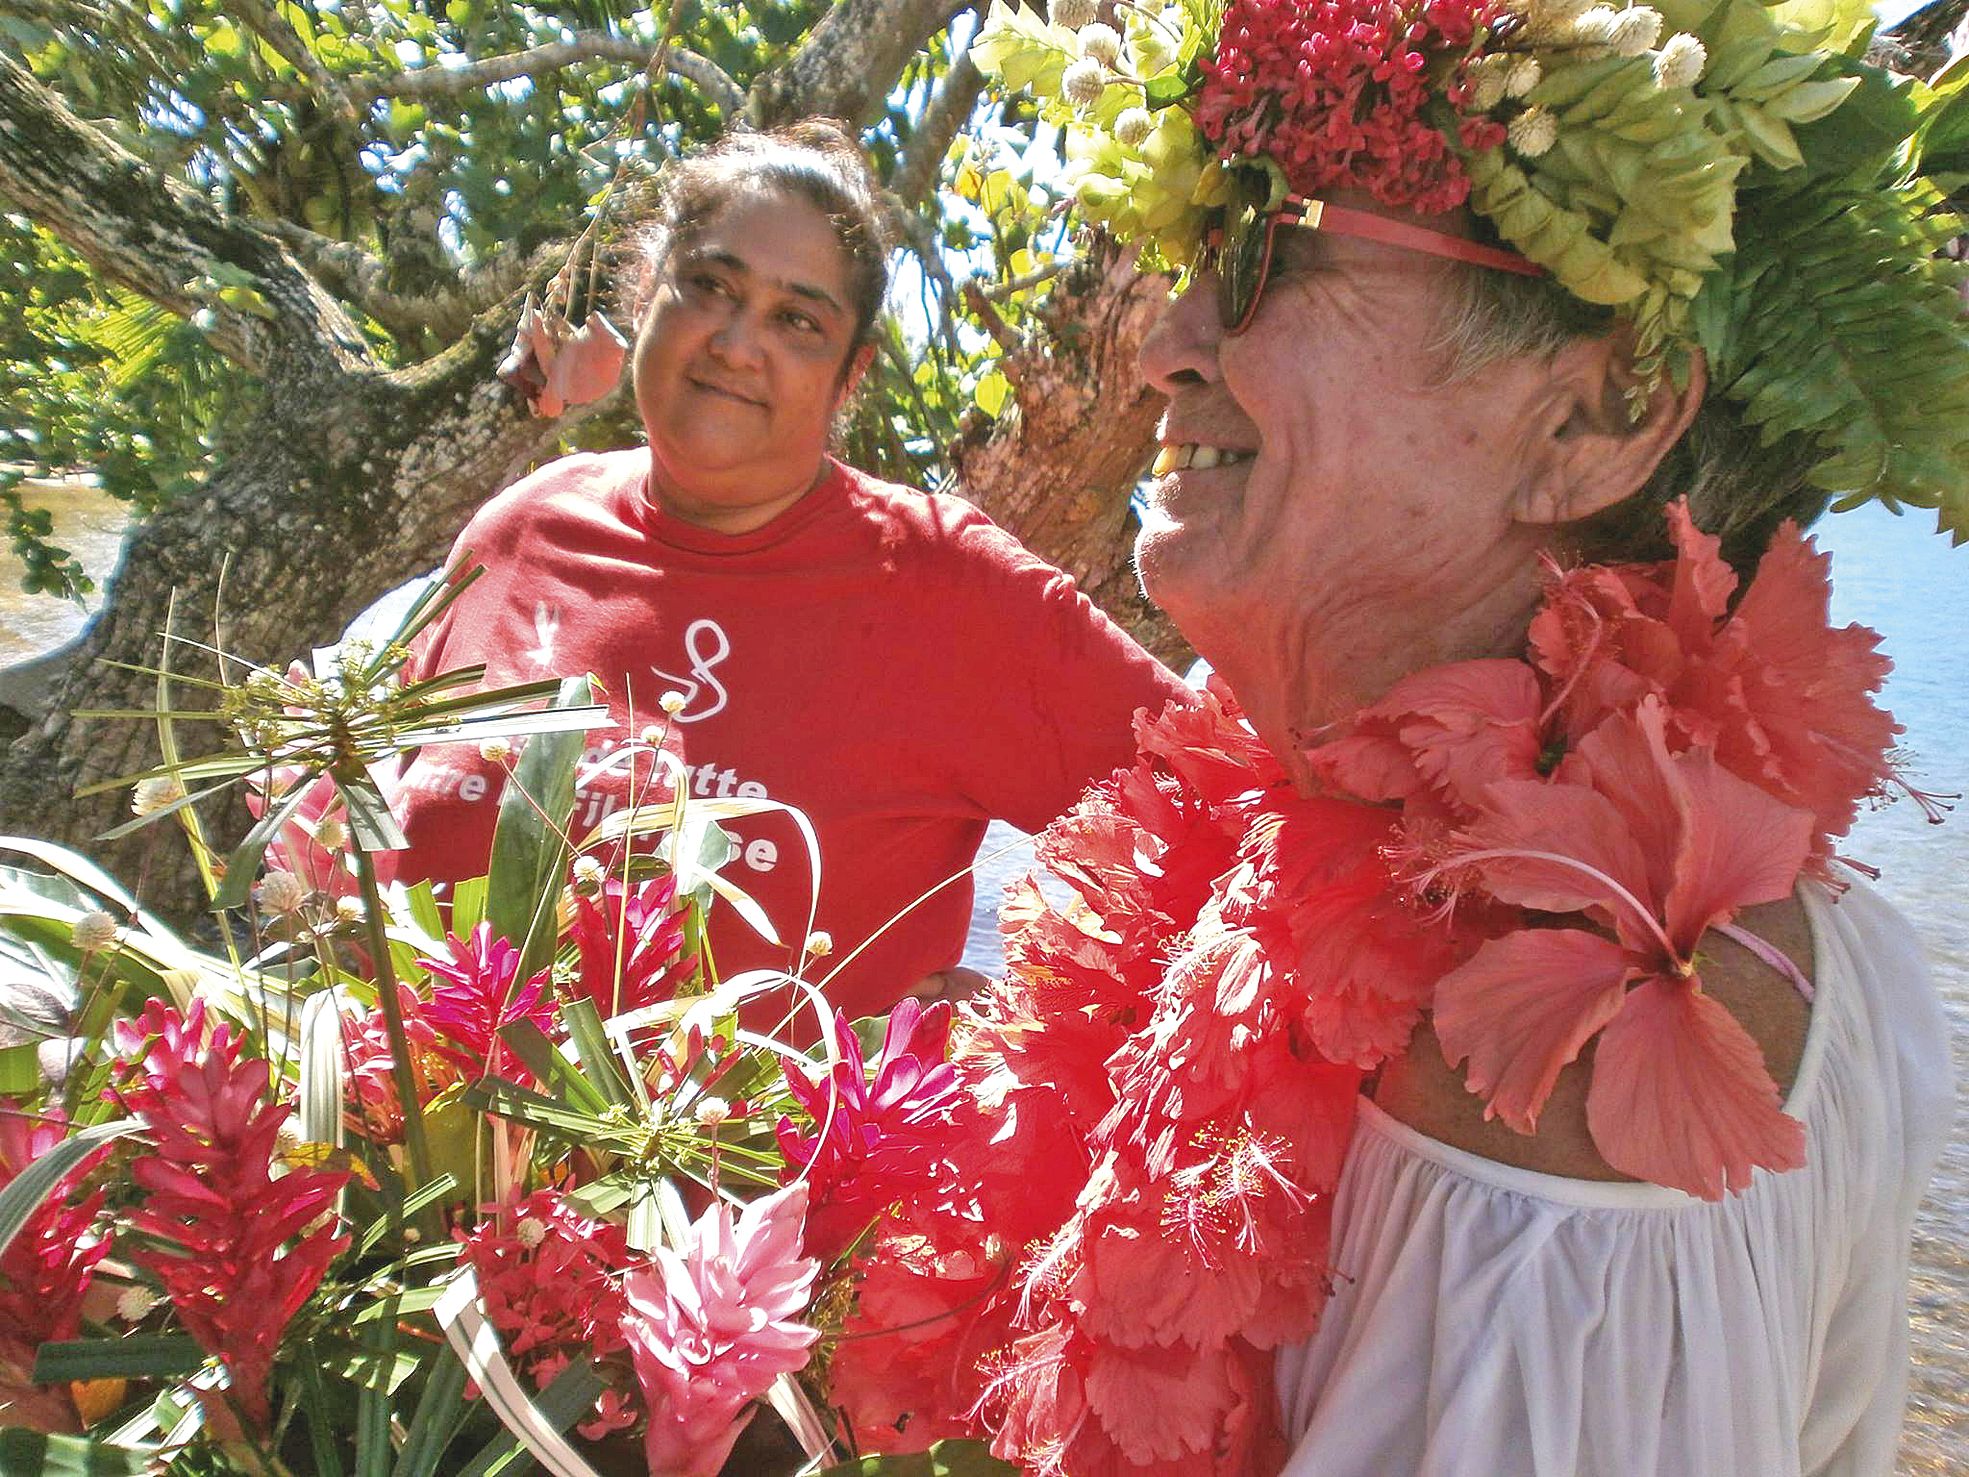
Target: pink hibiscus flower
point(1660, 847)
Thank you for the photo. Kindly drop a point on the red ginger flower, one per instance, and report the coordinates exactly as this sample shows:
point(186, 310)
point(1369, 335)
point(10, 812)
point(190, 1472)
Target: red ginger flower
point(374, 1110)
point(47, 1268)
point(1345, 94)
point(628, 939)
point(1661, 847)
point(242, 1248)
point(873, 1137)
point(473, 998)
point(550, 1280)
point(715, 1324)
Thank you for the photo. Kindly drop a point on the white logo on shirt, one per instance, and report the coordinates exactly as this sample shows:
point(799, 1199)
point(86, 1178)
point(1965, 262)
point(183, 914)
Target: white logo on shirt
point(706, 644)
point(546, 631)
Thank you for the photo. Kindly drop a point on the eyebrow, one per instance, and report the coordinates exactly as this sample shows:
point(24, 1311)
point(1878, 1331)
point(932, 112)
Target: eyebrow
point(736, 263)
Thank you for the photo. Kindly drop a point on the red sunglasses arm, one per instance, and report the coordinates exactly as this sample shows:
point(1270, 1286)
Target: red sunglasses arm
point(1319, 215)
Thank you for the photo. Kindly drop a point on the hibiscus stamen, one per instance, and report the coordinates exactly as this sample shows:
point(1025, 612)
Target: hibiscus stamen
point(1574, 864)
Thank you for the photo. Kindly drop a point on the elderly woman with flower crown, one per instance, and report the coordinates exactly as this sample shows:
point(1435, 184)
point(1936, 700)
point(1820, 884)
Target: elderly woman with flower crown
point(1465, 1051)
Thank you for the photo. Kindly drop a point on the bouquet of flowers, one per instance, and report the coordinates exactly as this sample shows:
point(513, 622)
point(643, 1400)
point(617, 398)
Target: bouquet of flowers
point(379, 1186)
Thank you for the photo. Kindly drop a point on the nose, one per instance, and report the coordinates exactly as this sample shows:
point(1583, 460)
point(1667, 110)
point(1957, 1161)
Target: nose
point(739, 340)
point(1181, 348)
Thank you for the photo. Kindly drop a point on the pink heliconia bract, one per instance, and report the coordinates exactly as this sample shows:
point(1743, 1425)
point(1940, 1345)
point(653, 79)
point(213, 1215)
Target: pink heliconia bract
point(874, 1139)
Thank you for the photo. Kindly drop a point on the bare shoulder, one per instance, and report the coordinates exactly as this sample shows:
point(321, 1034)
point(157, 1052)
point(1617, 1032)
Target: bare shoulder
point(1421, 1090)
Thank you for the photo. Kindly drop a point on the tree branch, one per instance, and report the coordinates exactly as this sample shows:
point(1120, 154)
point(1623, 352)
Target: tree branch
point(586, 46)
point(848, 63)
point(361, 279)
point(948, 112)
point(158, 238)
point(273, 28)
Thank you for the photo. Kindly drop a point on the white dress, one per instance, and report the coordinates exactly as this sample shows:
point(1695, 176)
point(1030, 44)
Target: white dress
point(1489, 1320)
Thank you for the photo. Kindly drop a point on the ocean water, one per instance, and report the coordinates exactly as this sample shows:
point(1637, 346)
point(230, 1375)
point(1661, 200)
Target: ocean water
point(1893, 574)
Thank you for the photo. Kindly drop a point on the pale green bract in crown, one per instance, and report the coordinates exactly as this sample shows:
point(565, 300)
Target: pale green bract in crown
point(1726, 175)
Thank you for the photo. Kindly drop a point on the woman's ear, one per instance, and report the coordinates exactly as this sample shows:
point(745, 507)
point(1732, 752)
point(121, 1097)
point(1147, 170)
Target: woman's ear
point(1589, 447)
point(858, 363)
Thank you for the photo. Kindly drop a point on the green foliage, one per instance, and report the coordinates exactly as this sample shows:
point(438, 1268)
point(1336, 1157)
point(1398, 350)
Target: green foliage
point(95, 381)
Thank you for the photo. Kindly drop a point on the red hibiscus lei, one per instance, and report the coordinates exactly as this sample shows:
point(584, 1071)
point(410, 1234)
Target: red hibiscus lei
point(1157, 1101)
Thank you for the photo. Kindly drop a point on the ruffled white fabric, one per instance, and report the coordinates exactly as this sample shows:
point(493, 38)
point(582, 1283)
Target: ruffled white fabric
point(1489, 1320)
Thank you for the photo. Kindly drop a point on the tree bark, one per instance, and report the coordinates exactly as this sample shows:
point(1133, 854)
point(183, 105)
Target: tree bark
point(331, 496)
point(1059, 466)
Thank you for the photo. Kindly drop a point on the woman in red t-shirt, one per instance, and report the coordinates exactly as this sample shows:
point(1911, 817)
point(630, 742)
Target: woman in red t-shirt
point(886, 660)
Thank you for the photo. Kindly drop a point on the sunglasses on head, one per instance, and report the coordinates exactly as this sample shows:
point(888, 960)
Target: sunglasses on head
point(1241, 250)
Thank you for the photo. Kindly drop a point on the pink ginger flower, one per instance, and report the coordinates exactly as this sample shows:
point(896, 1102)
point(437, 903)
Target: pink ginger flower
point(240, 1249)
point(474, 997)
point(713, 1325)
point(874, 1139)
point(628, 939)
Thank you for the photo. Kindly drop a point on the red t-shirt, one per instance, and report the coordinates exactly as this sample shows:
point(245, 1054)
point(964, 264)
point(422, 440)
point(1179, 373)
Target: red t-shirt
point(891, 662)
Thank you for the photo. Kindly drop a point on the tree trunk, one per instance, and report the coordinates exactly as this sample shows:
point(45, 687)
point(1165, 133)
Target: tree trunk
point(1059, 467)
point(334, 493)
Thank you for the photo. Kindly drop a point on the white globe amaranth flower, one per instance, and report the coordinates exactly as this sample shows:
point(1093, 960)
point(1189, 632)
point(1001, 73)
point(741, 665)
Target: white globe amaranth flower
point(1101, 43)
point(282, 893)
point(1523, 77)
point(1533, 131)
point(134, 1303)
point(496, 750)
point(1680, 61)
point(331, 835)
point(153, 794)
point(588, 874)
point(1596, 26)
point(1073, 14)
point(1133, 127)
point(712, 1110)
point(673, 703)
point(820, 943)
point(1554, 18)
point(349, 909)
point(1083, 83)
point(1487, 77)
point(1635, 31)
point(94, 930)
point(530, 1233)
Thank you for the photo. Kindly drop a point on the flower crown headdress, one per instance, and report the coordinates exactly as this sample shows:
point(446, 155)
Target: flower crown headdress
point(1726, 175)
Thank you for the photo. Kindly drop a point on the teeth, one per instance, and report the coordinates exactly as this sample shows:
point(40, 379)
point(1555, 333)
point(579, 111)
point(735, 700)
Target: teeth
point(1202, 458)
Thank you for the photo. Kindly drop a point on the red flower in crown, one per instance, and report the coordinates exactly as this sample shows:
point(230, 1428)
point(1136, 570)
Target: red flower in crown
point(1338, 94)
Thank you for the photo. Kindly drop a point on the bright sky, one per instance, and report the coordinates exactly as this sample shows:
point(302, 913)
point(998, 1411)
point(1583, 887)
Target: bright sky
point(1893, 12)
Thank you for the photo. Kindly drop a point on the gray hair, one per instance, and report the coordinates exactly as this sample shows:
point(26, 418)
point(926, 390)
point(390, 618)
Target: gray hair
point(1738, 488)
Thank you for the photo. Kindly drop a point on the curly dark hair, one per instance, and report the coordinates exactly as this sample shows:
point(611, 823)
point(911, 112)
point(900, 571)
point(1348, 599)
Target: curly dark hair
point(817, 160)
